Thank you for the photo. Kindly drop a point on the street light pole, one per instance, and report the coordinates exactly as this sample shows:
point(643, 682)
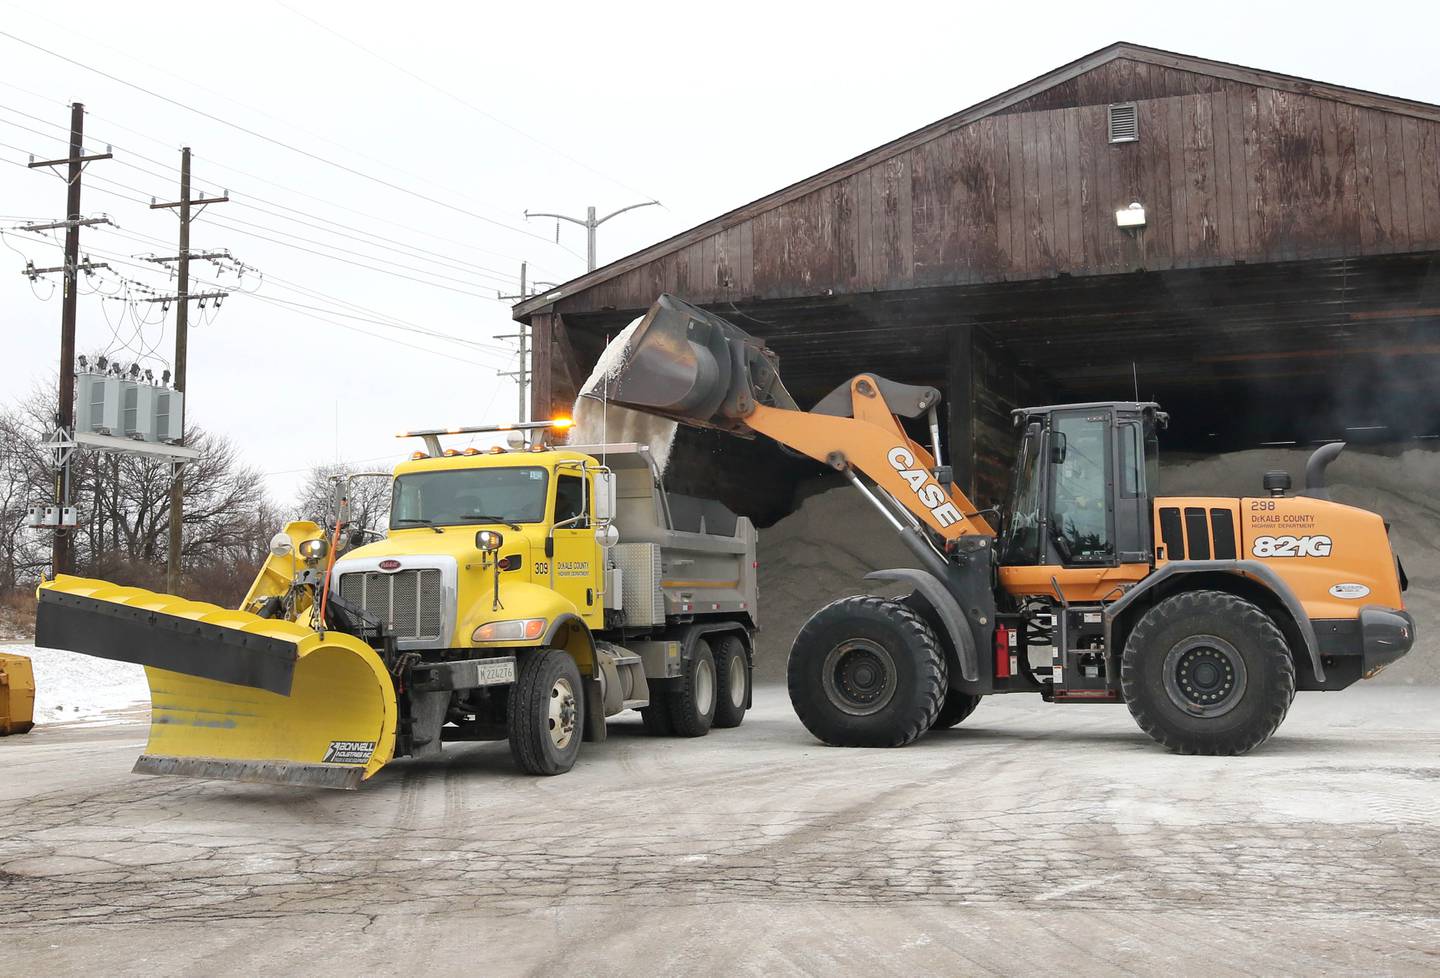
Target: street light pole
point(590, 223)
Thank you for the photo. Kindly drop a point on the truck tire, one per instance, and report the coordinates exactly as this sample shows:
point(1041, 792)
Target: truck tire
point(732, 681)
point(866, 672)
point(1206, 672)
point(692, 701)
point(546, 715)
point(656, 716)
point(957, 707)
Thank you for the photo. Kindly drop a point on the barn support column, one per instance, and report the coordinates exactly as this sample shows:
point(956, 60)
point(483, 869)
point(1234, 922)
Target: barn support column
point(983, 385)
point(555, 370)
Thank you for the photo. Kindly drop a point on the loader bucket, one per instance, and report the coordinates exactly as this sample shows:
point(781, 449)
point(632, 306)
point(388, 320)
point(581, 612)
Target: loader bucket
point(233, 695)
point(690, 365)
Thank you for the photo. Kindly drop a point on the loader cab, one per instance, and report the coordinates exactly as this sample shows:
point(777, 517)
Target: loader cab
point(1080, 490)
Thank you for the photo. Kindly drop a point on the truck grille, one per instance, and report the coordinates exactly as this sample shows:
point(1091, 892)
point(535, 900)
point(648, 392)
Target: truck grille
point(408, 602)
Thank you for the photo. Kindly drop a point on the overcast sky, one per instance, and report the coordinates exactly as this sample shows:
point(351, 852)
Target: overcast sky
point(411, 138)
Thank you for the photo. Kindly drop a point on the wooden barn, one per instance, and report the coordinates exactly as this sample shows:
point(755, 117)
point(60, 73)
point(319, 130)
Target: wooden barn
point(1260, 253)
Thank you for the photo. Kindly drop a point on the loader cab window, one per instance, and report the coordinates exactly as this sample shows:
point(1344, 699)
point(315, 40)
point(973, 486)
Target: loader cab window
point(457, 497)
point(569, 499)
point(1020, 543)
point(1079, 502)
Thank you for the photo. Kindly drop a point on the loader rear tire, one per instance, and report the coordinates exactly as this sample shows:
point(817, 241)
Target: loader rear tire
point(732, 681)
point(546, 715)
point(692, 701)
point(957, 707)
point(1207, 672)
point(866, 672)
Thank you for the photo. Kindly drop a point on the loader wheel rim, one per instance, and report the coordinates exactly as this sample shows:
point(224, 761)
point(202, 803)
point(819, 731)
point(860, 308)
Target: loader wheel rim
point(736, 681)
point(563, 713)
point(704, 686)
point(859, 677)
point(1205, 676)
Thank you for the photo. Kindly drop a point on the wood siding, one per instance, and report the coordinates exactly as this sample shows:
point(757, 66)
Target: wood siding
point(1227, 172)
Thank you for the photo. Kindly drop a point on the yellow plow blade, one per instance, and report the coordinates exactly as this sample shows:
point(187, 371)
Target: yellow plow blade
point(234, 695)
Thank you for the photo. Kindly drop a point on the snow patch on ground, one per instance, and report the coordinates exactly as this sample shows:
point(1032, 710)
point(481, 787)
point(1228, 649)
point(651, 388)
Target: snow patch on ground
point(70, 686)
point(598, 423)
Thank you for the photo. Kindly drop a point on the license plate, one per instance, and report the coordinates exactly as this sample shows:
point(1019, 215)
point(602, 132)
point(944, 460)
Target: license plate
point(495, 673)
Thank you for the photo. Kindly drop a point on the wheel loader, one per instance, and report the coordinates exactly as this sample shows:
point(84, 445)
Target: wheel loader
point(521, 594)
point(1202, 615)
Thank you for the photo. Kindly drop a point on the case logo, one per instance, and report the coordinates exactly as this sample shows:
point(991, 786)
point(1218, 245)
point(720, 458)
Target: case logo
point(1315, 546)
point(930, 493)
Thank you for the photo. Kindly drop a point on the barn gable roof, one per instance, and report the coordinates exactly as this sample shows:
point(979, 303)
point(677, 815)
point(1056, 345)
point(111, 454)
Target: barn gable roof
point(1054, 89)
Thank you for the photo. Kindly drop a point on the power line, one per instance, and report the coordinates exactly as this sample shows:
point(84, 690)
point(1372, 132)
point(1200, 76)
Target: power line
point(163, 176)
point(469, 105)
point(381, 181)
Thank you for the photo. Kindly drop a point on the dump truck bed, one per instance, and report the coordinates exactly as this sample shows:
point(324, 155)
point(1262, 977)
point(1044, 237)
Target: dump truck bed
point(678, 556)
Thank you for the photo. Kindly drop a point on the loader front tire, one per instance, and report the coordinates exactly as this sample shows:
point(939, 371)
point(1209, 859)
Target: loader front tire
point(692, 701)
point(732, 681)
point(546, 716)
point(866, 672)
point(1207, 672)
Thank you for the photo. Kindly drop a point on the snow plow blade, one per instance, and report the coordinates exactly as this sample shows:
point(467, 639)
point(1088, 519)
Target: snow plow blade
point(233, 695)
point(690, 365)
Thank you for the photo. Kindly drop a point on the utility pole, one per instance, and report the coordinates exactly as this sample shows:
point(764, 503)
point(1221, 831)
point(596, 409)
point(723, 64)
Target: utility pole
point(522, 375)
point(62, 552)
point(590, 223)
point(182, 324)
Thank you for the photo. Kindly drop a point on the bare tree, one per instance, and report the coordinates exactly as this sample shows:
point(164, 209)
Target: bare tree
point(369, 498)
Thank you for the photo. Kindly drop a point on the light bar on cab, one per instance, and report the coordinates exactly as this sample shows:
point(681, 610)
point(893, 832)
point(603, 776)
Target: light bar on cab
point(560, 423)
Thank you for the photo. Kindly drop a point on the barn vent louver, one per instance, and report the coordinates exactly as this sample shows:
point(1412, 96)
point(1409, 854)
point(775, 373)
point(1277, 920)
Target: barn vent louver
point(1124, 123)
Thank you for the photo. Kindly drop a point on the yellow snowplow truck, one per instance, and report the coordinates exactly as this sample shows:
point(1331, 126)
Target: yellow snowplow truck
point(1203, 615)
point(521, 594)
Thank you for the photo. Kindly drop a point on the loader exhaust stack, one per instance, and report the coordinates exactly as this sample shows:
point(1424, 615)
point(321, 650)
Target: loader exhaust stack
point(692, 366)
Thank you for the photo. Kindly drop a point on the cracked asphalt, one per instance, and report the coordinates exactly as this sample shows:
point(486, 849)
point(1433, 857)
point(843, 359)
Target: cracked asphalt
point(1032, 837)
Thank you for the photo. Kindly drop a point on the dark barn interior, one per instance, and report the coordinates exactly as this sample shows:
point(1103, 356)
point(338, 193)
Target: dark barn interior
point(1282, 285)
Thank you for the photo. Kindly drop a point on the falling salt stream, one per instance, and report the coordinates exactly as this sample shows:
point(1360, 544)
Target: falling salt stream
point(596, 422)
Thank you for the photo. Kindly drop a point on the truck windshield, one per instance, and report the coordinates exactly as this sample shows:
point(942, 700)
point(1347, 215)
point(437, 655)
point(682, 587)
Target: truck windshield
point(460, 496)
point(1020, 543)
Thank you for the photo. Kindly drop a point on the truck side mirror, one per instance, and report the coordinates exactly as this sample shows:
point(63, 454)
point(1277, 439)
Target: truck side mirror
point(1057, 447)
point(604, 495)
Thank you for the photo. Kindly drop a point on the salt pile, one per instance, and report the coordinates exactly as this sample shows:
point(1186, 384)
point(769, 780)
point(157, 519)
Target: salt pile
point(597, 423)
point(823, 550)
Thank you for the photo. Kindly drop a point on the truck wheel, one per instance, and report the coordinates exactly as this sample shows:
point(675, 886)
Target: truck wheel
point(546, 718)
point(957, 707)
point(866, 672)
point(1206, 672)
point(732, 681)
point(656, 716)
point(692, 702)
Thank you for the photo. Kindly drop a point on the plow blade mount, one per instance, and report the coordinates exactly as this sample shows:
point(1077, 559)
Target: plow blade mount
point(233, 695)
point(684, 363)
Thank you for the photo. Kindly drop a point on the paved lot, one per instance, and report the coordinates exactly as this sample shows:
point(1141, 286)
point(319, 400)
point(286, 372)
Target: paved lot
point(1032, 838)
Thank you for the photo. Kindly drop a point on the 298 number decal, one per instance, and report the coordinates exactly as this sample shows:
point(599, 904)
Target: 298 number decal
point(1316, 546)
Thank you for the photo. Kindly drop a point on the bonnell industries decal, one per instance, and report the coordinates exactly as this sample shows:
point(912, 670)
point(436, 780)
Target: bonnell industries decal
point(349, 752)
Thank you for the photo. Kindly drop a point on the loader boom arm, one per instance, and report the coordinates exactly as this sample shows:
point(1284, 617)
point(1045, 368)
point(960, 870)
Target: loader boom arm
point(685, 363)
point(873, 443)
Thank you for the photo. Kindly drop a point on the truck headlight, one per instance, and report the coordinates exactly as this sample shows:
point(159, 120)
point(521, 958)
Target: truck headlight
point(280, 545)
point(314, 549)
point(519, 630)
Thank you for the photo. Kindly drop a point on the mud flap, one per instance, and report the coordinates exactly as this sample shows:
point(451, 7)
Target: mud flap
point(233, 695)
